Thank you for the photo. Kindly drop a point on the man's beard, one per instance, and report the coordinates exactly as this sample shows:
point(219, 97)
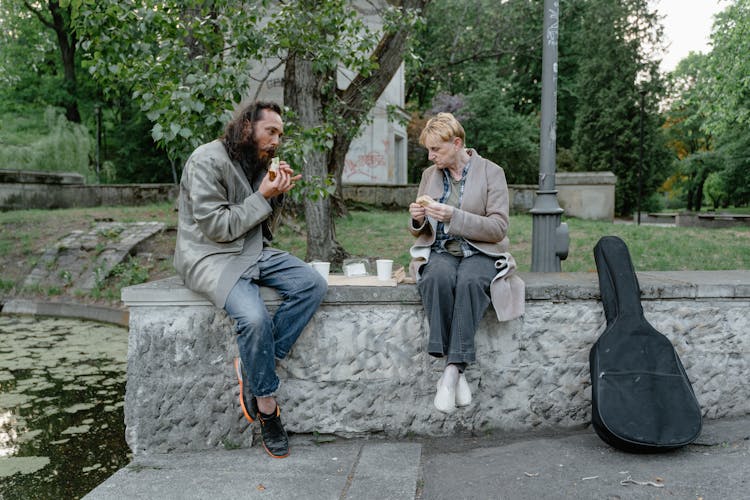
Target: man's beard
point(252, 164)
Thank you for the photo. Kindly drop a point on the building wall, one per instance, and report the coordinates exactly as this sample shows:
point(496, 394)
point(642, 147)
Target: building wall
point(378, 154)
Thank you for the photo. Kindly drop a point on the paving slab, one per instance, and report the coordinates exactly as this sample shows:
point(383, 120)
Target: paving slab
point(578, 465)
point(349, 469)
point(532, 466)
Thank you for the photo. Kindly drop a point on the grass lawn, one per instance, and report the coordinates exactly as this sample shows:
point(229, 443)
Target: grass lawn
point(383, 234)
point(24, 235)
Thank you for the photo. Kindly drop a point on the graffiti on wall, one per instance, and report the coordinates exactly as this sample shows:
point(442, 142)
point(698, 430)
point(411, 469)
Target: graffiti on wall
point(367, 166)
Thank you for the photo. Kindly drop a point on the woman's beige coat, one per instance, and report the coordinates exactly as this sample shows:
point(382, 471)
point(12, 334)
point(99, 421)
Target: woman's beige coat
point(482, 219)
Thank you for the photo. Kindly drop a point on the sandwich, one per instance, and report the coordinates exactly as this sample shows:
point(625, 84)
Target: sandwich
point(425, 200)
point(274, 168)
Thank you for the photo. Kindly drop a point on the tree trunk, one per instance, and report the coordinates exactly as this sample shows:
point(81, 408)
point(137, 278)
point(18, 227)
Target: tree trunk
point(699, 194)
point(336, 169)
point(690, 196)
point(303, 94)
point(66, 39)
point(363, 92)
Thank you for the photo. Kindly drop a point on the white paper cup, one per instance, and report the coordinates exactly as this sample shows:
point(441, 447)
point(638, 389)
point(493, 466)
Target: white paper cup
point(385, 269)
point(322, 267)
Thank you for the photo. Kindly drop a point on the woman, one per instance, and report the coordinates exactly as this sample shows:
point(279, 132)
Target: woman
point(461, 228)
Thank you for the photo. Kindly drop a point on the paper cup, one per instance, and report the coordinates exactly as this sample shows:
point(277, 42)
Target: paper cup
point(385, 269)
point(322, 267)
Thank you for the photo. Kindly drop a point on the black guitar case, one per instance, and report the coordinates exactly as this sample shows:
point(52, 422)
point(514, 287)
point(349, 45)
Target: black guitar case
point(641, 398)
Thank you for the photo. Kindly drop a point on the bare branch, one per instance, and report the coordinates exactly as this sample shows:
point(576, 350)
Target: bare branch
point(38, 14)
point(265, 78)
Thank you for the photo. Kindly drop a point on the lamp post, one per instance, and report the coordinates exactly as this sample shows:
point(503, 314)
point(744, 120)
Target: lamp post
point(550, 240)
point(640, 157)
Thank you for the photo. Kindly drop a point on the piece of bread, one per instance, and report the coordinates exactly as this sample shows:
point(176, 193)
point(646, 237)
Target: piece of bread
point(425, 200)
point(274, 168)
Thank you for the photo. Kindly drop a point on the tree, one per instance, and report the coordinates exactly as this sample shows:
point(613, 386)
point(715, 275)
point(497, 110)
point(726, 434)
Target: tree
point(184, 62)
point(32, 80)
point(725, 98)
point(501, 133)
point(715, 190)
point(57, 17)
point(684, 129)
point(188, 64)
point(612, 56)
point(487, 71)
point(321, 38)
point(25, 56)
point(492, 60)
point(709, 114)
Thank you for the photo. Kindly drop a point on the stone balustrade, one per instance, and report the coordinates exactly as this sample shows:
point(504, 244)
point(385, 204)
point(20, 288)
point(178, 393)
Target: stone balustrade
point(360, 367)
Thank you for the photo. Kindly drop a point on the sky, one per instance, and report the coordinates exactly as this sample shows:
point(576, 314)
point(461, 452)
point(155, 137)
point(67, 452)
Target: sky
point(687, 27)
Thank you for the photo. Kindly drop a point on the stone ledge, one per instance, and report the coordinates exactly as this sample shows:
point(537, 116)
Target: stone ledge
point(539, 286)
point(360, 366)
point(585, 178)
point(66, 310)
point(10, 176)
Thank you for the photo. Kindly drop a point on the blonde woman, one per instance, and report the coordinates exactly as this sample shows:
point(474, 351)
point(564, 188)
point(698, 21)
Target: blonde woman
point(460, 221)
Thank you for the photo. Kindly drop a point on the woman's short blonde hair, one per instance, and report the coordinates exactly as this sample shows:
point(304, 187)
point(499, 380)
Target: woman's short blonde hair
point(443, 126)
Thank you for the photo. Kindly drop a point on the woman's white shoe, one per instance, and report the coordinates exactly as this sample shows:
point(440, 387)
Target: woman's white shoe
point(445, 399)
point(463, 392)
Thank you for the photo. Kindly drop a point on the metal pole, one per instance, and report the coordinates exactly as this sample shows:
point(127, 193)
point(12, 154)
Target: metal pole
point(640, 161)
point(549, 238)
point(98, 113)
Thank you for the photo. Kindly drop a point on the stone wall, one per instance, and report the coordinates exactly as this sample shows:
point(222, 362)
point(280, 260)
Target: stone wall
point(586, 195)
point(711, 220)
point(20, 190)
point(360, 366)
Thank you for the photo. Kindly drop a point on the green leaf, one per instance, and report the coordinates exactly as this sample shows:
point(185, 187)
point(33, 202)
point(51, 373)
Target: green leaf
point(157, 132)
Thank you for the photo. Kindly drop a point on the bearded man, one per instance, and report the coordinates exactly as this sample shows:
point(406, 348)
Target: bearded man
point(223, 252)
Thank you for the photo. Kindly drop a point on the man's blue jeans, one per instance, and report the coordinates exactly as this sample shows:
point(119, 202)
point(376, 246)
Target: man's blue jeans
point(263, 338)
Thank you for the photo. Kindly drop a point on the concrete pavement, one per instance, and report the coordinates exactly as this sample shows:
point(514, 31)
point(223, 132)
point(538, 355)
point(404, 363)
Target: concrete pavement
point(543, 465)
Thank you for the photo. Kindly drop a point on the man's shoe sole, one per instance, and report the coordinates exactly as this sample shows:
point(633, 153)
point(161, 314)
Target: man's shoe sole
point(238, 371)
point(272, 455)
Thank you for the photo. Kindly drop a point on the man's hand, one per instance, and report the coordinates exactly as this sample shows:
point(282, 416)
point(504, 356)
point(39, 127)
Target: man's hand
point(284, 181)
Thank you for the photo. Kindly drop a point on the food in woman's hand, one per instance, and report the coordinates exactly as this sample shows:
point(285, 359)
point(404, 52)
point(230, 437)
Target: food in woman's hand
point(274, 168)
point(425, 200)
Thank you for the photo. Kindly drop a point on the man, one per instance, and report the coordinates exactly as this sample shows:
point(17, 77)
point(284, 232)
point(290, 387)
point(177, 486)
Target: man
point(227, 199)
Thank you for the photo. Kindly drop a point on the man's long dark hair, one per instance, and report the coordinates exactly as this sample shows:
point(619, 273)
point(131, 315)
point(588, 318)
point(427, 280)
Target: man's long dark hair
point(241, 148)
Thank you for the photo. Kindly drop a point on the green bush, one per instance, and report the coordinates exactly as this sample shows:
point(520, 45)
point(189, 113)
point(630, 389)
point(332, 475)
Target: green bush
point(52, 145)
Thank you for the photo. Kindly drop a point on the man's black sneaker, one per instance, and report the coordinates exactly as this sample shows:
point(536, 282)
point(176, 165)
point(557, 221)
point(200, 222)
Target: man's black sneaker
point(275, 440)
point(247, 401)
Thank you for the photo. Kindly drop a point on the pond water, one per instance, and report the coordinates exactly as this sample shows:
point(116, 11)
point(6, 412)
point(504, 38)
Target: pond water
point(62, 391)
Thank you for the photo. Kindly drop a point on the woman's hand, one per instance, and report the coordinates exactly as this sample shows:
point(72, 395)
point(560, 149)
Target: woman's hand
point(417, 212)
point(439, 211)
